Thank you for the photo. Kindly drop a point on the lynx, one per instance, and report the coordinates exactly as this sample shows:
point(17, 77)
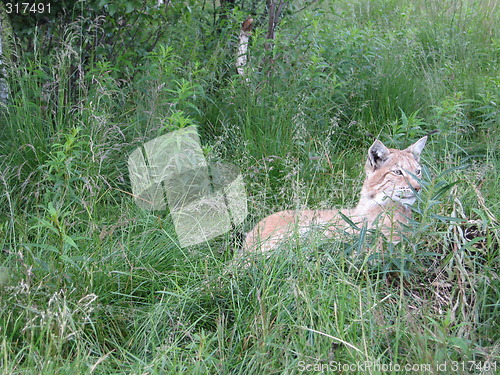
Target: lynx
point(389, 189)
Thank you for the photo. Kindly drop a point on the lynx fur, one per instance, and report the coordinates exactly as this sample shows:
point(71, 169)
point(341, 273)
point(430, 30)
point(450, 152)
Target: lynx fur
point(388, 191)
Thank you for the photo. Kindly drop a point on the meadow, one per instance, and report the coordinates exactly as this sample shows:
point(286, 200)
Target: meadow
point(91, 283)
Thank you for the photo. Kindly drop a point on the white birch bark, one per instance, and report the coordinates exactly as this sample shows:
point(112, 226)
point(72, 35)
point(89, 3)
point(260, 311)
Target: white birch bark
point(4, 88)
point(242, 58)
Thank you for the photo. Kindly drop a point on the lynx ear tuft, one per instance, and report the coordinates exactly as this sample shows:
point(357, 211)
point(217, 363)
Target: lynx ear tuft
point(417, 147)
point(377, 154)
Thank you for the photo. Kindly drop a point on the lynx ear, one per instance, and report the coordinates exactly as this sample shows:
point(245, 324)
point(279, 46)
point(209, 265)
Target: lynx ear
point(417, 147)
point(377, 154)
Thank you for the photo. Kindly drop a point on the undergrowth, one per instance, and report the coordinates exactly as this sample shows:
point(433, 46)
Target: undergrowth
point(90, 283)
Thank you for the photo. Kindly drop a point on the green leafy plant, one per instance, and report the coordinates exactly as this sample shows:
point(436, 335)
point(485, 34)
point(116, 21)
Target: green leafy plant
point(91, 283)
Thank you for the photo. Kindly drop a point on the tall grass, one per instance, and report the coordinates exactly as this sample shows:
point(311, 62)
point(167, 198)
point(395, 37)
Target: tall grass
point(90, 283)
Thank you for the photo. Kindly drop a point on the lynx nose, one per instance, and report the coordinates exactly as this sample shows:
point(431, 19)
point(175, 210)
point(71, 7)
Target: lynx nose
point(417, 187)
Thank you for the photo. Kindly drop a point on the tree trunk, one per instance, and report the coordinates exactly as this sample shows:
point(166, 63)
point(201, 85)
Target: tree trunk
point(241, 60)
point(4, 53)
point(274, 16)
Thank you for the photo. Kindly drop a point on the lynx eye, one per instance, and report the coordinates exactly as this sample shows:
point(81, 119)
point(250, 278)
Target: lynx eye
point(397, 172)
point(418, 172)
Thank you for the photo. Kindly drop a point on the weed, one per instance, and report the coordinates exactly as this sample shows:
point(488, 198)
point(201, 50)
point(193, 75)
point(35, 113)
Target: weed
point(89, 282)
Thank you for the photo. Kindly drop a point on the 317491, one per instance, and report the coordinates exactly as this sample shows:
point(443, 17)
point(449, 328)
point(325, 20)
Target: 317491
point(27, 8)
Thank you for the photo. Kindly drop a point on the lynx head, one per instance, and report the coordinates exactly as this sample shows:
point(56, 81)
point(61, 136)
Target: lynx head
point(391, 173)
